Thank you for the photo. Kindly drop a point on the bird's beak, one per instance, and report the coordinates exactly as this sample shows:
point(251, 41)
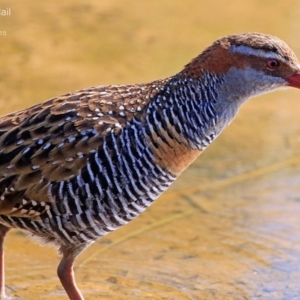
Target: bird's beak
point(294, 80)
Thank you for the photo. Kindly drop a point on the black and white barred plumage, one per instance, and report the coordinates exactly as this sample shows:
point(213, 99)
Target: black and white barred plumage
point(120, 178)
point(81, 165)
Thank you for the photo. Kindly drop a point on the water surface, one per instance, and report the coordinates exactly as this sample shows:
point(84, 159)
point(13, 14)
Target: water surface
point(229, 227)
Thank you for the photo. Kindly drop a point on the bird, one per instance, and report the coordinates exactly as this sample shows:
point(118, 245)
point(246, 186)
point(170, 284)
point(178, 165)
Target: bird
point(83, 164)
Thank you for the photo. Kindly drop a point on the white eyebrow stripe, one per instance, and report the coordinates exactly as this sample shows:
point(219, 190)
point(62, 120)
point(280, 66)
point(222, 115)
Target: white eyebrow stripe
point(257, 52)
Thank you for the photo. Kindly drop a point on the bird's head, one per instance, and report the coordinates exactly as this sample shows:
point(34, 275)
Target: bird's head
point(250, 63)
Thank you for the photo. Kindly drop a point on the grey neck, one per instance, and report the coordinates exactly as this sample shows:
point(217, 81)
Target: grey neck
point(193, 107)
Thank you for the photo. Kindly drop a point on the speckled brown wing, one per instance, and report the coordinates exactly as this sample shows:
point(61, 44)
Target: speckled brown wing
point(51, 142)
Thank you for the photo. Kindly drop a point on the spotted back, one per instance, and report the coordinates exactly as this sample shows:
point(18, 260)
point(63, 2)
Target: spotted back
point(52, 141)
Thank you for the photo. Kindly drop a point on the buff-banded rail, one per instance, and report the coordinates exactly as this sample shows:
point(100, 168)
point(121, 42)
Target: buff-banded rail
point(83, 164)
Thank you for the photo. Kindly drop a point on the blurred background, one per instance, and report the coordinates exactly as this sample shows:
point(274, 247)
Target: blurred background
point(229, 226)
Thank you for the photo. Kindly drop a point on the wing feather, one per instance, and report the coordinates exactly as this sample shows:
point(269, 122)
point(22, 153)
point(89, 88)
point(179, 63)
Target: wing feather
point(51, 142)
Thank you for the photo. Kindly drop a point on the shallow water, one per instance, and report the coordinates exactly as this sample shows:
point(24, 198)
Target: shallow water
point(235, 238)
point(229, 227)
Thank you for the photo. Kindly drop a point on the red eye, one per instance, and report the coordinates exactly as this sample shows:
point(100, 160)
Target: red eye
point(272, 64)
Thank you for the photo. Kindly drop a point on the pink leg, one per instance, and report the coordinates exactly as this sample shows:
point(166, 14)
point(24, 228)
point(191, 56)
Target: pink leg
point(3, 231)
point(66, 275)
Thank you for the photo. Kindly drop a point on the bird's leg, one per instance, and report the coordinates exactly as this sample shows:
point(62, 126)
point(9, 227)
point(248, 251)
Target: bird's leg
point(3, 231)
point(66, 275)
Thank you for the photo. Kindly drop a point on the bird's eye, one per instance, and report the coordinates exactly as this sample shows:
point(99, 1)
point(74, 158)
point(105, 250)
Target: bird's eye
point(272, 64)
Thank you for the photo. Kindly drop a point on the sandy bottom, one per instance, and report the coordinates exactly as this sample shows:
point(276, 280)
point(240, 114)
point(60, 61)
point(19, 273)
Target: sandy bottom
point(229, 227)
